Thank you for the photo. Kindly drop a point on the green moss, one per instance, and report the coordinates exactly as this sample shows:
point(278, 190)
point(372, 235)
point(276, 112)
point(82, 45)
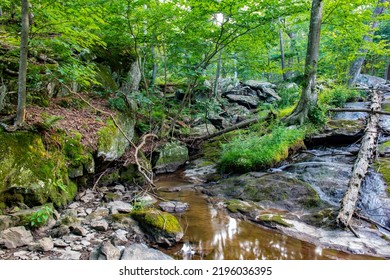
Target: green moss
point(31, 174)
point(382, 166)
point(385, 237)
point(273, 218)
point(236, 206)
point(158, 220)
point(111, 196)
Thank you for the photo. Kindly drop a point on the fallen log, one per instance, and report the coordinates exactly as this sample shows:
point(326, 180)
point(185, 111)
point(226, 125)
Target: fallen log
point(359, 111)
point(366, 153)
point(239, 125)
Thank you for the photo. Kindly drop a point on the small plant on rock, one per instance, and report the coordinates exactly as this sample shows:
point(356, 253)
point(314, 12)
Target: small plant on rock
point(40, 217)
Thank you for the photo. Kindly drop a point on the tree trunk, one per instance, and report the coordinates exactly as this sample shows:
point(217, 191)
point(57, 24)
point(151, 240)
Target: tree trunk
point(21, 108)
point(217, 73)
point(155, 66)
point(293, 51)
point(309, 95)
point(387, 72)
point(356, 66)
point(361, 165)
point(283, 61)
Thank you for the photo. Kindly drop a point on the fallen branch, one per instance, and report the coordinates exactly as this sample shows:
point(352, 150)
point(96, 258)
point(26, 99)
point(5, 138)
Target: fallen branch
point(371, 221)
point(240, 125)
point(359, 110)
point(366, 153)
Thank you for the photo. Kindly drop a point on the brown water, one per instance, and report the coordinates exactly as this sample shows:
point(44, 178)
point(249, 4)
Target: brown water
point(211, 234)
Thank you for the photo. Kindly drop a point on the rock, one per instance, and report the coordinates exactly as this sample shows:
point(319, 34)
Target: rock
point(202, 129)
point(173, 206)
point(120, 237)
point(112, 144)
point(173, 189)
point(100, 212)
point(99, 225)
point(339, 132)
point(268, 95)
point(45, 244)
point(170, 156)
point(259, 84)
point(71, 238)
point(120, 188)
point(75, 172)
point(250, 102)
point(60, 243)
point(109, 196)
point(142, 252)
point(88, 196)
point(16, 237)
point(110, 251)
point(60, 231)
point(369, 81)
point(30, 174)
point(6, 222)
point(119, 207)
point(74, 205)
point(162, 227)
point(68, 255)
point(88, 211)
point(78, 230)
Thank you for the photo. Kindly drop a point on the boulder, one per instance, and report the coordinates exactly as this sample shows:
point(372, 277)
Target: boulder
point(250, 102)
point(143, 252)
point(119, 207)
point(169, 157)
point(259, 84)
point(99, 225)
point(162, 227)
point(30, 174)
point(202, 129)
point(16, 237)
point(112, 144)
point(369, 81)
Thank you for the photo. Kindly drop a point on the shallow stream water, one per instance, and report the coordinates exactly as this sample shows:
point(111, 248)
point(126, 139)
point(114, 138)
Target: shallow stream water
point(211, 234)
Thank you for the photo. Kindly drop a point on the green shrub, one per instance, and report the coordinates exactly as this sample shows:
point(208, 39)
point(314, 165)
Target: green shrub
point(40, 217)
point(289, 96)
point(254, 152)
point(339, 95)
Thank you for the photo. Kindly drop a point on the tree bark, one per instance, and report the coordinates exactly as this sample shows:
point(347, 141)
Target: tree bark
point(357, 64)
point(135, 74)
point(387, 72)
point(361, 165)
point(21, 108)
point(155, 66)
point(309, 95)
point(283, 60)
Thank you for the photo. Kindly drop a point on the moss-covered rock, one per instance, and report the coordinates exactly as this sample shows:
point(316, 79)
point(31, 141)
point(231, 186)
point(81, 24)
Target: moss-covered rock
point(112, 144)
point(271, 219)
point(170, 156)
point(163, 228)
point(277, 190)
point(30, 174)
point(239, 206)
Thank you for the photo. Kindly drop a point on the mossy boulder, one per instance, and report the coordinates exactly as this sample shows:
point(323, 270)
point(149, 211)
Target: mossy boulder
point(112, 144)
point(382, 166)
point(275, 190)
point(162, 227)
point(170, 156)
point(30, 174)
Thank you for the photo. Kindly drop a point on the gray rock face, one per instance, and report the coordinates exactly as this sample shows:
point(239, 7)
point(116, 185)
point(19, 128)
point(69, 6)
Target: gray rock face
point(170, 157)
point(202, 129)
point(109, 251)
point(45, 244)
point(369, 81)
point(16, 237)
point(142, 252)
point(250, 102)
point(174, 206)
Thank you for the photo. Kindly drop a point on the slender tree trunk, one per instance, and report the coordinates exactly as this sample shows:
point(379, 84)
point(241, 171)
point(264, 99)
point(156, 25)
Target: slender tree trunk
point(155, 66)
point(21, 108)
point(387, 72)
point(293, 51)
point(218, 72)
point(283, 60)
point(309, 95)
point(357, 64)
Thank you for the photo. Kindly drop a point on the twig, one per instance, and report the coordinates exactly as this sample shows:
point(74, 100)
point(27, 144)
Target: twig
point(98, 179)
point(353, 231)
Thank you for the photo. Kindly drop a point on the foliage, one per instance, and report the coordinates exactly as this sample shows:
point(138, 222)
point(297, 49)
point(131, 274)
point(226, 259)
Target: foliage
point(40, 217)
point(257, 152)
point(338, 95)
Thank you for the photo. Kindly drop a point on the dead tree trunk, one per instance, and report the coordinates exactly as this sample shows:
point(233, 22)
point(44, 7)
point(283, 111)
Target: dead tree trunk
point(361, 165)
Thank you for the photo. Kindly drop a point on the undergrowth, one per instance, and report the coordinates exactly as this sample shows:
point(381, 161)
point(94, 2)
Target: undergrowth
point(254, 152)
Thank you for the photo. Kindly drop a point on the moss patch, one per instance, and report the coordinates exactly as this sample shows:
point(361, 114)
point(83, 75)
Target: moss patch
point(382, 166)
point(158, 220)
point(30, 174)
point(273, 219)
point(236, 206)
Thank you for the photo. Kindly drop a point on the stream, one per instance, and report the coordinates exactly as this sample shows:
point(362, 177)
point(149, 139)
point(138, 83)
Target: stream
point(211, 234)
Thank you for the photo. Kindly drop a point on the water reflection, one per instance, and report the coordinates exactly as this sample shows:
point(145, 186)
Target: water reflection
point(210, 234)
